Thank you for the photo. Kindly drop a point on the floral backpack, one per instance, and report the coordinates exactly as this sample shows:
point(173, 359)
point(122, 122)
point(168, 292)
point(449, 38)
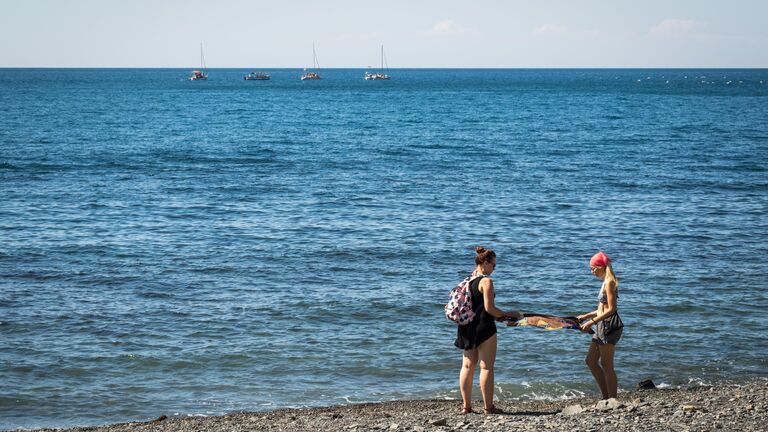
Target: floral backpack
point(459, 307)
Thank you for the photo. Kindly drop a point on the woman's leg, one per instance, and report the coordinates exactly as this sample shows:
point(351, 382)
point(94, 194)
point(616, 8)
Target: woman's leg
point(466, 375)
point(487, 356)
point(606, 361)
point(593, 361)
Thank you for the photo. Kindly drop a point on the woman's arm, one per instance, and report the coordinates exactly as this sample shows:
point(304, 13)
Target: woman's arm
point(587, 315)
point(489, 296)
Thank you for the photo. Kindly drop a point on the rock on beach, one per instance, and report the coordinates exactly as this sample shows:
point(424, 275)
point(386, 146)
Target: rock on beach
point(741, 407)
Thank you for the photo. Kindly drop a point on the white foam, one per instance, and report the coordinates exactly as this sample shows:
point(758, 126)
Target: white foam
point(567, 394)
point(699, 382)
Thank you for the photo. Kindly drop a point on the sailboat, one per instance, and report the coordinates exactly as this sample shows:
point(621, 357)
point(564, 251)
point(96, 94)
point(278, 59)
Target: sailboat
point(256, 76)
point(316, 66)
point(380, 75)
point(201, 74)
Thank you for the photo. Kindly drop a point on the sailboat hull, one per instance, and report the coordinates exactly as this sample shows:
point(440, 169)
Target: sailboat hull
point(379, 76)
point(312, 75)
point(202, 74)
point(197, 75)
point(257, 76)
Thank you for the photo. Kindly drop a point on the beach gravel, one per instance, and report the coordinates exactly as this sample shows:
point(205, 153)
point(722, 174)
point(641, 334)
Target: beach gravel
point(730, 407)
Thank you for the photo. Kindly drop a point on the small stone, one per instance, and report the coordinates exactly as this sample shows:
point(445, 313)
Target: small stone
point(608, 404)
point(750, 407)
point(690, 408)
point(439, 422)
point(631, 408)
point(646, 385)
point(394, 426)
point(161, 418)
point(418, 429)
point(572, 410)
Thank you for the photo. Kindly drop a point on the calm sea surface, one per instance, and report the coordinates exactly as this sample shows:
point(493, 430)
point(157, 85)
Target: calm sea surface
point(177, 247)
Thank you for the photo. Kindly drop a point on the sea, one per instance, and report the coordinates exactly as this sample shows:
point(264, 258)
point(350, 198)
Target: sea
point(193, 248)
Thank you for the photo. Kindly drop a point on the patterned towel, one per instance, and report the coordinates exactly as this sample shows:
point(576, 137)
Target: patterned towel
point(547, 322)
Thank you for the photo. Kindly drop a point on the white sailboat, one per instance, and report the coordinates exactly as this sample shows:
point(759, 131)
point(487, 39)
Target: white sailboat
point(312, 75)
point(201, 74)
point(379, 75)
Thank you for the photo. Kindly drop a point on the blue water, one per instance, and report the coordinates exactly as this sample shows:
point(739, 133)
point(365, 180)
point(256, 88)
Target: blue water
point(177, 247)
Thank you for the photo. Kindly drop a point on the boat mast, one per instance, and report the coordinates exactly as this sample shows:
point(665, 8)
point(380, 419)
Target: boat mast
point(384, 60)
point(202, 60)
point(315, 63)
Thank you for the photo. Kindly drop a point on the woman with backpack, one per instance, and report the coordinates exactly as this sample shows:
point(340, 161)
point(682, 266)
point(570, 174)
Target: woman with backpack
point(609, 326)
point(478, 337)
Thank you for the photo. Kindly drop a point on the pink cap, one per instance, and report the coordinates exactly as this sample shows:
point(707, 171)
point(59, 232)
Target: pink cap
point(600, 259)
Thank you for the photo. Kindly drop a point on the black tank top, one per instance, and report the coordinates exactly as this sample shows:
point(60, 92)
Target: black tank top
point(482, 327)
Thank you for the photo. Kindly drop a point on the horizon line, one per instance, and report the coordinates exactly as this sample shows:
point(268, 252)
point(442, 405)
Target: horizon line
point(405, 68)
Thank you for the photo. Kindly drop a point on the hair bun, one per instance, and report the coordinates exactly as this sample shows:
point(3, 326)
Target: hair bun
point(484, 255)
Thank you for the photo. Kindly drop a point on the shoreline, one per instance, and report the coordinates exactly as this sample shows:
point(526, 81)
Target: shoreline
point(741, 407)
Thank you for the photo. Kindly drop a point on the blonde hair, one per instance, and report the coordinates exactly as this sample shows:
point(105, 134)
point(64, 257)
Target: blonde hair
point(610, 275)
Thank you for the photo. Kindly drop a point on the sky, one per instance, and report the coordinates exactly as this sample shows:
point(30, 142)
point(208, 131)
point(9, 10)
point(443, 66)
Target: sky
point(415, 33)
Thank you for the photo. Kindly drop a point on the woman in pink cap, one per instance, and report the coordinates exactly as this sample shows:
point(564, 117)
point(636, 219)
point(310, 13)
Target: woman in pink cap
point(608, 326)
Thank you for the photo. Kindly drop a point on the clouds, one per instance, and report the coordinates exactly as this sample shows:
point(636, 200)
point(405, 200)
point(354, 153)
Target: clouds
point(449, 27)
point(675, 27)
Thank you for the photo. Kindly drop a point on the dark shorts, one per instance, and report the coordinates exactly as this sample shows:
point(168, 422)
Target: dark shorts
point(601, 338)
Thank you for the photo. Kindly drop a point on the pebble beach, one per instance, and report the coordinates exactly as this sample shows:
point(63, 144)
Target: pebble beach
point(732, 407)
